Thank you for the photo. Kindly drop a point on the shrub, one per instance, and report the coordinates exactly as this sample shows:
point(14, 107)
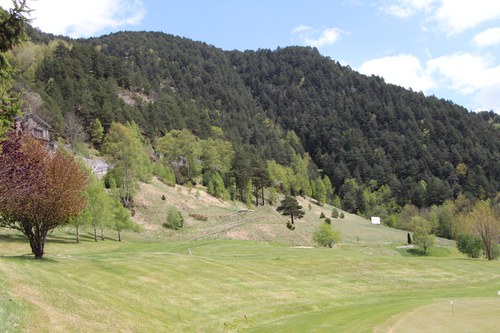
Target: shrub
point(328, 220)
point(469, 245)
point(335, 213)
point(164, 173)
point(174, 219)
point(322, 215)
point(216, 186)
point(392, 221)
point(326, 236)
point(341, 215)
point(163, 197)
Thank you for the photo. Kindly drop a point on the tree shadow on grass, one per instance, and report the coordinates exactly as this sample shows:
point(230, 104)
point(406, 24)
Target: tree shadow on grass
point(412, 253)
point(60, 239)
point(28, 257)
point(13, 238)
point(417, 253)
point(433, 252)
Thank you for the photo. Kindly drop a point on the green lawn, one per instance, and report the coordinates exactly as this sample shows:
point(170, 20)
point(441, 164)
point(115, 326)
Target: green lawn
point(217, 285)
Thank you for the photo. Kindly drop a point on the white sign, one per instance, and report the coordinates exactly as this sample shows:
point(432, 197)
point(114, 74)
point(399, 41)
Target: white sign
point(375, 220)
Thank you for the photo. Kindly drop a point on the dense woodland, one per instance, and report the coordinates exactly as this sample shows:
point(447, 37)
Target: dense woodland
point(290, 107)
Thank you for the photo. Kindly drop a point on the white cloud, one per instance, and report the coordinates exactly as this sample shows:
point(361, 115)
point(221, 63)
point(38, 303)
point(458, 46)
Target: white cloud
point(453, 16)
point(487, 98)
point(465, 72)
point(404, 70)
point(407, 8)
point(301, 28)
point(315, 38)
point(77, 18)
point(456, 16)
point(488, 37)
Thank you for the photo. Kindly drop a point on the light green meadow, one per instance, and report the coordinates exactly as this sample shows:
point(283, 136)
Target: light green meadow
point(230, 285)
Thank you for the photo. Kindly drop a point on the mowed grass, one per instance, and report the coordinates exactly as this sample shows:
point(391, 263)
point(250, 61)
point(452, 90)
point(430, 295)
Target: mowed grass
point(239, 271)
point(218, 285)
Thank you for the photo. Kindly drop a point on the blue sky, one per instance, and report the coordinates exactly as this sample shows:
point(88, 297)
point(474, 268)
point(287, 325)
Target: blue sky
point(446, 48)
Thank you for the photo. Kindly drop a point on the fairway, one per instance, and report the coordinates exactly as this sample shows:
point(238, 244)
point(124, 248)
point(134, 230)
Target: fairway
point(464, 315)
point(225, 285)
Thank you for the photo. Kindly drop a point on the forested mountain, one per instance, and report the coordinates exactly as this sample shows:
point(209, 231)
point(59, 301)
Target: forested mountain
point(353, 126)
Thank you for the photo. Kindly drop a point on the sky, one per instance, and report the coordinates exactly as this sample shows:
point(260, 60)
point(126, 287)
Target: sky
point(446, 48)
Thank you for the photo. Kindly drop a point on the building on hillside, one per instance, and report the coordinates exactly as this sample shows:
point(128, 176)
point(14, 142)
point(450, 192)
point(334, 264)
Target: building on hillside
point(36, 126)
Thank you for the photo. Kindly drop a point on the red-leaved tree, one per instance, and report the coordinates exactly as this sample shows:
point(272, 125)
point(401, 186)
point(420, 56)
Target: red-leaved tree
point(39, 189)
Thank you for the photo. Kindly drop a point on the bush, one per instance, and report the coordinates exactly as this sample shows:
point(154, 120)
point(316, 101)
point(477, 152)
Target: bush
point(335, 213)
point(341, 215)
point(328, 220)
point(164, 173)
point(469, 245)
point(326, 236)
point(392, 221)
point(216, 187)
point(174, 219)
point(322, 215)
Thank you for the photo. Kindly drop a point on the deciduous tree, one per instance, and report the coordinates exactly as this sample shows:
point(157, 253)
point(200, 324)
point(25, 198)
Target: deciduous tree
point(422, 233)
point(486, 225)
point(41, 189)
point(99, 210)
point(122, 220)
point(183, 150)
point(129, 160)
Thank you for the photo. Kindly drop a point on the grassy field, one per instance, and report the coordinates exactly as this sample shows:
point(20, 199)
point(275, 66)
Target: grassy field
point(242, 271)
point(205, 286)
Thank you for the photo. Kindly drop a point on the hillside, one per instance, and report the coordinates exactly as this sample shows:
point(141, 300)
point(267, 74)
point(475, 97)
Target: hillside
point(263, 223)
point(351, 125)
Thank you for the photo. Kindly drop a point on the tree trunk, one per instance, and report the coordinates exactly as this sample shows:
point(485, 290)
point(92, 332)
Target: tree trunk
point(37, 242)
point(102, 233)
point(77, 234)
point(119, 236)
point(291, 216)
point(262, 195)
point(95, 232)
point(256, 197)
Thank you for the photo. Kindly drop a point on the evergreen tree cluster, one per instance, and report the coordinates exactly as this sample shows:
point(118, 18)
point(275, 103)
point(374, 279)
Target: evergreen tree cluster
point(297, 122)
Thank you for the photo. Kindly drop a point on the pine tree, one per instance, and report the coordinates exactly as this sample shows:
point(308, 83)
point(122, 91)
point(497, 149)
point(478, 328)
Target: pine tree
point(290, 207)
